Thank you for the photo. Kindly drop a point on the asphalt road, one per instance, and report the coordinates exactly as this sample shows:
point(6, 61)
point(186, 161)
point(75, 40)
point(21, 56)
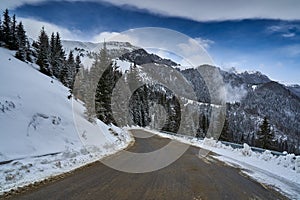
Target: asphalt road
point(189, 177)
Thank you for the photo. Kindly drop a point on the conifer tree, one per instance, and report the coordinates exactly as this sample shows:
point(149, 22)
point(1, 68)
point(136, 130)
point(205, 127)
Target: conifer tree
point(225, 132)
point(103, 94)
point(22, 43)
point(1, 31)
point(28, 52)
point(133, 79)
point(6, 28)
point(265, 135)
point(57, 55)
point(77, 63)
point(14, 40)
point(68, 72)
point(52, 48)
point(204, 125)
point(43, 52)
point(105, 86)
point(71, 69)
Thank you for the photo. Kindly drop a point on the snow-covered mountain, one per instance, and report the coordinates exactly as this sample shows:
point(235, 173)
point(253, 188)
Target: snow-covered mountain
point(245, 113)
point(295, 89)
point(250, 96)
point(88, 49)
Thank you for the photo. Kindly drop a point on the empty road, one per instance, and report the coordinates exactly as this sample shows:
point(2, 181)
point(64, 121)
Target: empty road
point(189, 177)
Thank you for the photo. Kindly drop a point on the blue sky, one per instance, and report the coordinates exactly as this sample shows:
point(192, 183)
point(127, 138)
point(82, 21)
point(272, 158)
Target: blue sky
point(268, 41)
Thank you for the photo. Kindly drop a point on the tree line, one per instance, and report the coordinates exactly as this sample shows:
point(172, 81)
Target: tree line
point(13, 37)
point(263, 138)
point(47, 53)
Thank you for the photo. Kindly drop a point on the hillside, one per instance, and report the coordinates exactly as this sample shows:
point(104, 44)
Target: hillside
point(38, 130)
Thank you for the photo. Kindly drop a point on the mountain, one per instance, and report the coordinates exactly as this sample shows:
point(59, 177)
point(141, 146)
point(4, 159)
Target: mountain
point(254, 77)
point(88, 49)
point(141, 56)
point(249, 96)
point(295, 89)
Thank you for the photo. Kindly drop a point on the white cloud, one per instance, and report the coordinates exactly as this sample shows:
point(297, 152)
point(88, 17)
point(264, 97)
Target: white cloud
point(205, 43)
point(202, 10)
point(194, 52)
point(11, 4)
point(234, 94)
point(286, 30)
point(288, 35)
point(33, 28)
point(115, 36)
point(282, 28)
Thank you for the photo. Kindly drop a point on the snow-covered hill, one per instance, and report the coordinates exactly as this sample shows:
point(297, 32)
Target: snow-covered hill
point(36, 118)
point(88, 49)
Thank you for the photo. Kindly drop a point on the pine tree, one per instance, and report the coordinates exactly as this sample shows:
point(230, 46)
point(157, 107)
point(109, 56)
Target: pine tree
point(79, 84)
point(68, 72)
point(14, 40)
point(77, 63)
point(105, 85)
point(52, 49)
point(63, 76)
point(89, 100)
point(22, 43)
point(265, 135)
point(225, 136)
point(1, 32)
point(133, 79)
point(28, 52)
point(43, 53)
point(71, 70)
point(204, 125)
point(104, 92)
point(57, 55)
point(6, 28)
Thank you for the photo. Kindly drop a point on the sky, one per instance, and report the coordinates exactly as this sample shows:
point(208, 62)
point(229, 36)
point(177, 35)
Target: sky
point(261, 35)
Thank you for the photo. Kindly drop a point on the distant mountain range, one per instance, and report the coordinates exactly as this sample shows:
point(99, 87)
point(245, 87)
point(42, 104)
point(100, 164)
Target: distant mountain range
point(250, 96)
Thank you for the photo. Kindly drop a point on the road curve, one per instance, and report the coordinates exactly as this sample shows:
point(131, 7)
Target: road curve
point(189, 177)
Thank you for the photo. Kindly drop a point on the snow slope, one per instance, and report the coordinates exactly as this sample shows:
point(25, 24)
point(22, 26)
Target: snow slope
point(38, 129)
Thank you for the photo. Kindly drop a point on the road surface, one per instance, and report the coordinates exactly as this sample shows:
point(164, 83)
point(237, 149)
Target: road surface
point(189, 177)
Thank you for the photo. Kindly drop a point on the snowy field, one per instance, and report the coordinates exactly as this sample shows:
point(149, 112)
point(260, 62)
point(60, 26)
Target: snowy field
point(43, 133)
point(280, 172)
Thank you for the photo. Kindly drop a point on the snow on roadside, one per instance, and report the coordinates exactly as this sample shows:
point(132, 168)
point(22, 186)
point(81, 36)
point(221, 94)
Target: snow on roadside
point(280, 172)
point(23, 172)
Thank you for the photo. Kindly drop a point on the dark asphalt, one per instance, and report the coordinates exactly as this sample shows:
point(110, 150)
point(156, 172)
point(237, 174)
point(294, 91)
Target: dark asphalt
point(189, 177)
